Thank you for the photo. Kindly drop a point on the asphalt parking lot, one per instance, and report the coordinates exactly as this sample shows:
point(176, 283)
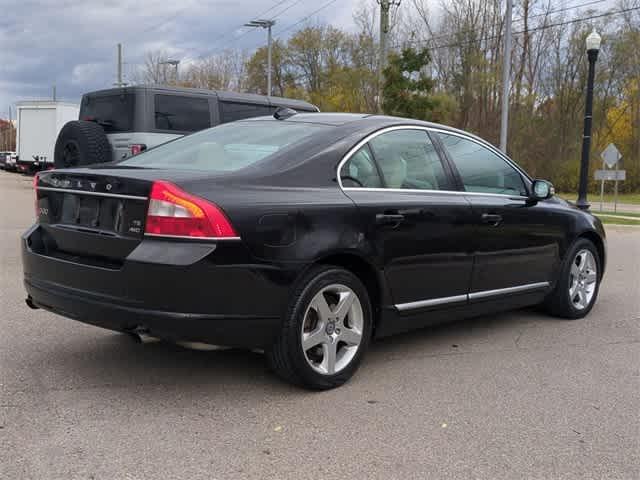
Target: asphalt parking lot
point(512, 396)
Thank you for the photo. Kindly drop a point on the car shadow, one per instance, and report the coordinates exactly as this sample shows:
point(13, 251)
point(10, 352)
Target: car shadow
point(113, 359)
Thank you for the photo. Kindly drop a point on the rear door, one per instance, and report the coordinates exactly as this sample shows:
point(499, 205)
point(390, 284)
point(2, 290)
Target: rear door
point(413, 217)
point(516, 244)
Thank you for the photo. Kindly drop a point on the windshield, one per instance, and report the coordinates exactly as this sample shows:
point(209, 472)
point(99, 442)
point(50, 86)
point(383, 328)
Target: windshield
point(225, 148)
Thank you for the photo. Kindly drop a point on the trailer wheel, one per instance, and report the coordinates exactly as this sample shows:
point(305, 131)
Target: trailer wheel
point(81, 143)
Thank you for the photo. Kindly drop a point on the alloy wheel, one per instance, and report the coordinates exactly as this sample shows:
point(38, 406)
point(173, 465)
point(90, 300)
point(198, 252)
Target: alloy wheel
point(583, 279)
point(332, 329)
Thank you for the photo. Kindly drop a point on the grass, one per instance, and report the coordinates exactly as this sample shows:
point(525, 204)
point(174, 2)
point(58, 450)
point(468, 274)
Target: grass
point(619, 221)
point(597, 212)
point(594, 199)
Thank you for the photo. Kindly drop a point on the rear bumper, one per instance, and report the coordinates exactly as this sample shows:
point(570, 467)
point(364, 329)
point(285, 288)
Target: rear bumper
point(240, 330)
point(235, 304)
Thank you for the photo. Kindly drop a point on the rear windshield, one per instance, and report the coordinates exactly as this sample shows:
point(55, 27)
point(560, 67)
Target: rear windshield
point(225, 148)
point(113, 112)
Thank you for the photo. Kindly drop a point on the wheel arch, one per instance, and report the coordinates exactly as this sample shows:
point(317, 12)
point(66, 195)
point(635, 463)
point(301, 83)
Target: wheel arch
point(597, 240)
point(368, 274)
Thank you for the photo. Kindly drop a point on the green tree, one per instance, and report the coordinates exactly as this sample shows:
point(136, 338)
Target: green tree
point(407, 89)
point(257, 70)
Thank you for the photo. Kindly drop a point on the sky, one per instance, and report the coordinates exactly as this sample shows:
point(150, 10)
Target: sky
point(72, 43)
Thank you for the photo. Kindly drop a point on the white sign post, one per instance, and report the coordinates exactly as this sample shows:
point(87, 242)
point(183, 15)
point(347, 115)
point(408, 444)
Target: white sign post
point(610, 158)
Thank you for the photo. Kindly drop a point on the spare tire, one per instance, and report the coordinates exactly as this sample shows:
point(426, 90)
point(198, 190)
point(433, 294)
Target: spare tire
point(81, 143)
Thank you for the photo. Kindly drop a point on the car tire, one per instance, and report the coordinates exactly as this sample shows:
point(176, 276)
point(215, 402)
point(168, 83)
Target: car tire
point(578, 283)
point(81, 143)
point(336, 357)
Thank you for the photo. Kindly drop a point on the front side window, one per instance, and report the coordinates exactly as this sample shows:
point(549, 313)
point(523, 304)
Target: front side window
point(360, 170)
point(182, 114)
point(225, 148)
point(408, 159)
point(482, 170)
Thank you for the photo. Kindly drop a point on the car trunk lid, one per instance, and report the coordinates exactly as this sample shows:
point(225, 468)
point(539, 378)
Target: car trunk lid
point(92, 215)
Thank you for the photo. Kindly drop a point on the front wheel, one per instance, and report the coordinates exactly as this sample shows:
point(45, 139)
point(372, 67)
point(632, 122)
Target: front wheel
point(325, 332)
point(577, 286)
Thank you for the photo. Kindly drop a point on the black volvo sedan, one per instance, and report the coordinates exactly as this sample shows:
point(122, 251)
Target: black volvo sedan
point(307, 235)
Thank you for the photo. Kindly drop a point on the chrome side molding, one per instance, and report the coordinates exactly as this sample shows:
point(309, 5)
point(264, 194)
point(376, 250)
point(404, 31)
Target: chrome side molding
point(433, 302)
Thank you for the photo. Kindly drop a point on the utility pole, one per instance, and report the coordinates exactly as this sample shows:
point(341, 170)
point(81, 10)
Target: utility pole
point(53, 93)
point(506, 77)
point(119, 82)
point(265, 24)
point(385, 7)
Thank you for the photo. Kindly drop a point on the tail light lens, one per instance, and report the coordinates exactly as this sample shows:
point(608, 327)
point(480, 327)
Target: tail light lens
point(136, 148)
point(176, 213)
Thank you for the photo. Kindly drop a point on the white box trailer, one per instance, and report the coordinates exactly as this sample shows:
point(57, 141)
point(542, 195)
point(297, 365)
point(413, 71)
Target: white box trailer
point(38, 125)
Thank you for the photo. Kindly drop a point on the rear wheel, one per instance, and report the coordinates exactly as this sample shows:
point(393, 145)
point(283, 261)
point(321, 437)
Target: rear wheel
point(578, 284)
point(326, 330)
point(81, 143)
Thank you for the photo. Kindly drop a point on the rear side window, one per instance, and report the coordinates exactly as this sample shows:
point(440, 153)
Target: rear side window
point(183, 114)
point(409, 160)
point(360, 170)
point(113, 112)
point(232, 111)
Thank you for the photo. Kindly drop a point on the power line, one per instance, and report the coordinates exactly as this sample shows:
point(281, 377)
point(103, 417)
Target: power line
point(521, 19)
point(563, 9)
point(271, 18)
point(329, 3)
point(543, 27)
point(246, 32)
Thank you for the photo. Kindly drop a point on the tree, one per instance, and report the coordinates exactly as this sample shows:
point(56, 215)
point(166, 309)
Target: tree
point(256, 68)
point(407, 89)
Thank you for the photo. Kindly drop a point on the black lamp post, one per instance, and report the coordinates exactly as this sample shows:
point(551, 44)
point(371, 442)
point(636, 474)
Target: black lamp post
point(593, 47)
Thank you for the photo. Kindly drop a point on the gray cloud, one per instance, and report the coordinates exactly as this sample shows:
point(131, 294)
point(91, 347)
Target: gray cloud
point(71, 43)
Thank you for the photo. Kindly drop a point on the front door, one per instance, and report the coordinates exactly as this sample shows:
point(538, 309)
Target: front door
point(516, 245)
point(418, 225)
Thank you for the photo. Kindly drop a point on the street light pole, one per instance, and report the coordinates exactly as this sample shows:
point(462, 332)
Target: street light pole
point(175, 64)
point(265, 24)
point(593, 47)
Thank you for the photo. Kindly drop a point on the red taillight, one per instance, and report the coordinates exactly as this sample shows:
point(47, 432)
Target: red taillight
point(137, 148)
point(174, 212)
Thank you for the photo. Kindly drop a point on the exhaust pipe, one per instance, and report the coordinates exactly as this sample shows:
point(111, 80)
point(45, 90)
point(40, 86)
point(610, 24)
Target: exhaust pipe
point(30, 304)
point(141, 335)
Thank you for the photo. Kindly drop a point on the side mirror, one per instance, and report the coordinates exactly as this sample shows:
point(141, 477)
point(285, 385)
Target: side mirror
point(541, 190)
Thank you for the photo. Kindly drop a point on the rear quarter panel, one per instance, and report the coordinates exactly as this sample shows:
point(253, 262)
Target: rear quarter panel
point(291, 225)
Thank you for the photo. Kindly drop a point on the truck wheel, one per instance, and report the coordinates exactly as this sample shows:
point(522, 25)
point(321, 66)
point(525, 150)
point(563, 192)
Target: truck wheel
point(81, 143)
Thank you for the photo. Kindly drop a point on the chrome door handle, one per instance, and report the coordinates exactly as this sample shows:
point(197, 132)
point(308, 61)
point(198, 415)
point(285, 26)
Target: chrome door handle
point(492, 219)
point(394, 219)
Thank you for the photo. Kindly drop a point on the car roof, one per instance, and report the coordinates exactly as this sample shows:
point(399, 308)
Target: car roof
point(366, 119)
point(220, 94)
point(365, 124)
